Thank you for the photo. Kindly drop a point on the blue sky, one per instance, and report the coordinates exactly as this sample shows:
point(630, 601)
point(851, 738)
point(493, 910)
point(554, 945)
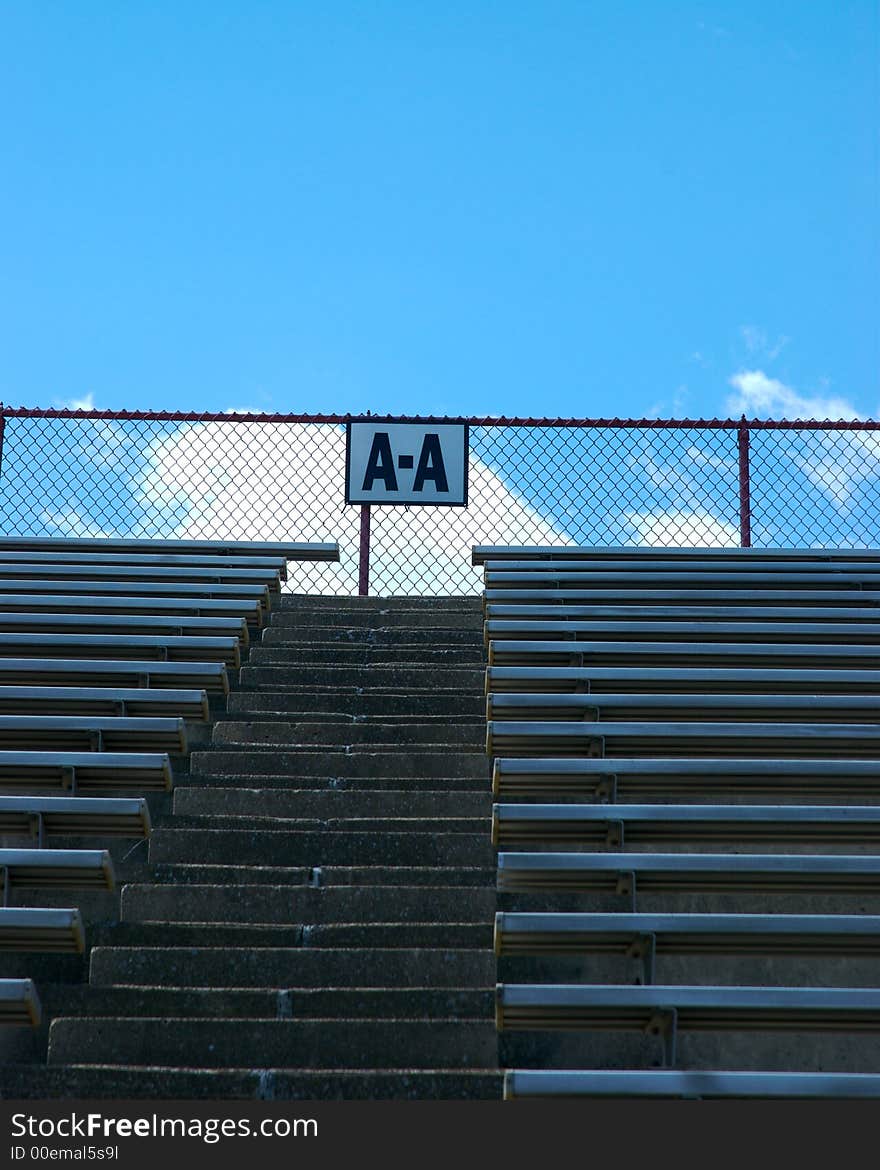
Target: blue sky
point(557, 208)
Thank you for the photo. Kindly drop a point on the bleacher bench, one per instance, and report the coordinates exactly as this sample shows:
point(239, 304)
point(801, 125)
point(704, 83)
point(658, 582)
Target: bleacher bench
point(41, 929)
point(74, 816)
point(763, 632)
point(73, 869)
point(85, 771)
point(675, 779)
point(622, 825)
point(96, 733)
point(531, 1084)
point(629, 874)
point(94, 672)
point(665, 1011)
point(693, 596)
point(164, 647)
point(19, 1004)
point(647, 679)
point(142, 589)
point(537, 574)
point(268, 565)
point(289, 550)
point(648, 936)
point(153, 625)
point(644, 554)
point(654, 708)
point(249, 610)
point(527, 613)
point(681, 654)
point(142, 574)
point(610, 740)
point(131, 702)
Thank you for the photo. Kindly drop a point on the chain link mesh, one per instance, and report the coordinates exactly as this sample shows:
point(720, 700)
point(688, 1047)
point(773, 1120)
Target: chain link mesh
point(553, 482)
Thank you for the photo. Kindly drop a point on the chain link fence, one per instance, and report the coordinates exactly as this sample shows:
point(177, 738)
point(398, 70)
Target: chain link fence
point(544, 481)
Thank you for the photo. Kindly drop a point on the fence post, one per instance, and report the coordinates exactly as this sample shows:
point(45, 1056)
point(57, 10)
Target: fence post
point(745, 487)
point(364, 558)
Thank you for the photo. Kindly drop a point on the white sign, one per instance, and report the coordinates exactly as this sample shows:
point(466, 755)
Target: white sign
point(406, 463)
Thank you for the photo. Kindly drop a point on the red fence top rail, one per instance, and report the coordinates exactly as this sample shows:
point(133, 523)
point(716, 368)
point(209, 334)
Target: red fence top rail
point(487, 421)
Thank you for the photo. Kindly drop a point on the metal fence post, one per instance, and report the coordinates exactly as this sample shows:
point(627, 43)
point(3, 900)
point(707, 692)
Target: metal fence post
point(745, 487)
point(364, 555)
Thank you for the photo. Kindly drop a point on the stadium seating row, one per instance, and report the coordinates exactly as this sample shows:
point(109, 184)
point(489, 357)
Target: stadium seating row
point(735, 677)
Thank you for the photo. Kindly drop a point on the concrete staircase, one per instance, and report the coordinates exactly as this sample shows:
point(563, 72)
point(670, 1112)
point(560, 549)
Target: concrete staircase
point(315, 916)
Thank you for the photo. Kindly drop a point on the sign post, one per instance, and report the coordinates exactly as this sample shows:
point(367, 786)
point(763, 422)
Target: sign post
point(386, 462)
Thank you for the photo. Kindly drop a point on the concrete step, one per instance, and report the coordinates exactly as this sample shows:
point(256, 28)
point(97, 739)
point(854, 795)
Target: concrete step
point(339, 764)
point(261, 847)
point(58, 999)
point(429, 705)
point(402, 734)
point(116, 1081)
point(258, 823)
point(381, 618)
point(327, 783)
point(293, 967)
point(330, 904)
point(288, 935)
point(330, 803)
point(342, 655)
point(185, 874)
point(377, 677)
point(393, 603)
point(335, 1043)
point(364, 637)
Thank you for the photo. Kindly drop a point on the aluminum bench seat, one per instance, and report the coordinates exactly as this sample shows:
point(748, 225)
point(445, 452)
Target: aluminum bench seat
point(19, 1004)
point(663, 680)
point(670, 779)
point(707, 873)
point(94, 672)
point(153, 625)
point(96, 733)
point(761, 632)
point(620, 826)
point(663, 1010)
point(149, 560)
point(740, 598)
point(692, 568)
point(161, 574)
point(683, 708)
point(74, 816)
point(73, 869)
point(290, 550)
point(715, 654)
point(644, 554)
point(653, 935)
point(132, 702)
point(85, 771)
point(141, 589)
point(537, 575)
point(527, 613)
point(548, 739)
point(165, 647)
point(249, 610)
point(561, 1084)
point(48, 931)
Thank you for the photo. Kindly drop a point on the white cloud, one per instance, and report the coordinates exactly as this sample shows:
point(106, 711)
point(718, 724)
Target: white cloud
point(85, 403)
point(760, 396)
point(681, 529)
point(284, 481)
point(836, 462)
